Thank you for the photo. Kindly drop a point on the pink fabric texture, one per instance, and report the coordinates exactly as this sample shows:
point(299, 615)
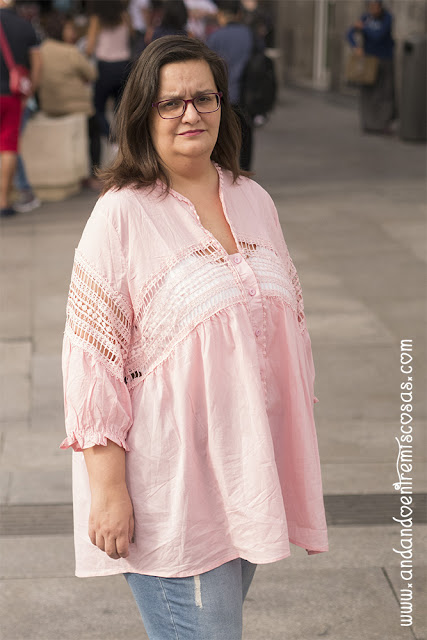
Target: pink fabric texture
point(199, 364)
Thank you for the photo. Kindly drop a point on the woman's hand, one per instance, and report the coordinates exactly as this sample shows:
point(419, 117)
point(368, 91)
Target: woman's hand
point(359, 25)
point(111, 521)
point(359, 51)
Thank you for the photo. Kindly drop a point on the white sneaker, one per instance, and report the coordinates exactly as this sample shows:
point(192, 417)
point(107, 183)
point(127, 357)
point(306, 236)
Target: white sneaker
point(27, 202)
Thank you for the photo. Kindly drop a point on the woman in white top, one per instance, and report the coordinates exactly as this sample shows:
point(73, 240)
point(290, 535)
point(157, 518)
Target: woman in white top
point(108, 40)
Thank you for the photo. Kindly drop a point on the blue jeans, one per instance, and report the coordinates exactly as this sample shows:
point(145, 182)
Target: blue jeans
point(20, 180)
point(204, 607)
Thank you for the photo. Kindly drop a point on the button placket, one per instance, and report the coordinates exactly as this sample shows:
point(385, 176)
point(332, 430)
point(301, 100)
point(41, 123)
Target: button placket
point(254, 299)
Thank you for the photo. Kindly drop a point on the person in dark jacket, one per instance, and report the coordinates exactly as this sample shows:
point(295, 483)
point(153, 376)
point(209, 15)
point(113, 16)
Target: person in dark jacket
point(377, 101)
point(234, 42)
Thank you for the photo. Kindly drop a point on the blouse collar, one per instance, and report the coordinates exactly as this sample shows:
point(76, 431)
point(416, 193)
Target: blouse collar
point(182, 198)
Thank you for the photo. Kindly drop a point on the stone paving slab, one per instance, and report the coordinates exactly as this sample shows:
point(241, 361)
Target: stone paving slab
point(69, 609)
point(23, 450)
point(364, 477)
point(411, 233)
point(35, 486)
point(47, 390)
point(15, 304)
point(5, 480)
point(375, 442)
point(356, 604)
point(359, 382)
point(350, 548)
point(15, 379)
point(419, 582)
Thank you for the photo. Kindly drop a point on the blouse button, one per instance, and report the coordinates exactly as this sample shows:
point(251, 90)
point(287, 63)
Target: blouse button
point(252, 292)
point(237, 259)
point(258, 332)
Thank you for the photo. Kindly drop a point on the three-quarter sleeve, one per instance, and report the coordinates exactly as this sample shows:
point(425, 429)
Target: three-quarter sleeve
point(96, 341)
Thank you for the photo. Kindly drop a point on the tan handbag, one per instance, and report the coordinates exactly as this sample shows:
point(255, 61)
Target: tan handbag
point(361, 70)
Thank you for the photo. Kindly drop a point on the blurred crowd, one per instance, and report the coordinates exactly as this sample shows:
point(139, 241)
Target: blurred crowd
point(80, 54)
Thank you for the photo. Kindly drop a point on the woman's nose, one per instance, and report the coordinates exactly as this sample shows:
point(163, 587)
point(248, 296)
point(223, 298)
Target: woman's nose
point(190, 114)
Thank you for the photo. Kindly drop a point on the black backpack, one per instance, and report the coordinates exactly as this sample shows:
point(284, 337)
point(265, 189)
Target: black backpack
point(259, 86)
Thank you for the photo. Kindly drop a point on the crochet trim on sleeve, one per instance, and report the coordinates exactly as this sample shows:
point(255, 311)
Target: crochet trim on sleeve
point(99, 320)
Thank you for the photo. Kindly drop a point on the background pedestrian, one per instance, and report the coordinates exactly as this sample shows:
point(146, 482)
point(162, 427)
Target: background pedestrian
point(24, 46)
point(174, 20)
point(109, 41)
point(377, 101)
point(67, 79)
point(233, 41)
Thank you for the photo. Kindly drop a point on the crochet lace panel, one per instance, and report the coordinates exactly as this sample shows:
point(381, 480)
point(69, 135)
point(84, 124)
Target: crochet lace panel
point(277, 276)
point(192, 286)
point(99, 320)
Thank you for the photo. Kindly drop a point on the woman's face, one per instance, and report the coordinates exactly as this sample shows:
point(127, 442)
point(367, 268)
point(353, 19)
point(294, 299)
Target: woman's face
point(171, 138)
point(69, 34)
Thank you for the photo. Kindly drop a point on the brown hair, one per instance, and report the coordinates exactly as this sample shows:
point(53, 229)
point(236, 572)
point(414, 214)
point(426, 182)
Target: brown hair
point(137, 162)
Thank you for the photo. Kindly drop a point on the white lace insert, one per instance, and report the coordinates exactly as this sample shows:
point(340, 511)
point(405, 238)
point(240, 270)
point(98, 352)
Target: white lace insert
point(192, 287)
point(99, 320)
point(195, 286)
point(277, 277)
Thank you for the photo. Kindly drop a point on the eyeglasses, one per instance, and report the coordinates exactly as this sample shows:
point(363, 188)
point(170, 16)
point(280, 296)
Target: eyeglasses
point(175, 107)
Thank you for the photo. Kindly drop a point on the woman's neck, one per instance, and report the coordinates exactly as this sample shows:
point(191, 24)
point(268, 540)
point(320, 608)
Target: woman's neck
point(193, 174)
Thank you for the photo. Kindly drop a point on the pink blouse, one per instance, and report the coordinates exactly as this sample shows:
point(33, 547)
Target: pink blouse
point(199, 364)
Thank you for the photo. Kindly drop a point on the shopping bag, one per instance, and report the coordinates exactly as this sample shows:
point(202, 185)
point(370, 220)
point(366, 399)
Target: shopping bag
point(362, 70)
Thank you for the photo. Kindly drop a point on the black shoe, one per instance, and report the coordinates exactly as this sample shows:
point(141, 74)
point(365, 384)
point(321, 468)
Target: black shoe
point(7, 212)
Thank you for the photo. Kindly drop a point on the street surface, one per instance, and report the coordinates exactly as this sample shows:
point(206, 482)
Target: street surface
point(353, 212)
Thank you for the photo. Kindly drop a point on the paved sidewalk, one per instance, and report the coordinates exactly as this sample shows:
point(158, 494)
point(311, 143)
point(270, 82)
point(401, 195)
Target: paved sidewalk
point(353, 211)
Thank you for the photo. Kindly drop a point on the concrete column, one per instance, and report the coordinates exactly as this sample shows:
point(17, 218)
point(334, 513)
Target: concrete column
point(320, 72)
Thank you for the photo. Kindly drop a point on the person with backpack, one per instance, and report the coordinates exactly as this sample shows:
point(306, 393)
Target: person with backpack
point(234, 42)
point(259, 85)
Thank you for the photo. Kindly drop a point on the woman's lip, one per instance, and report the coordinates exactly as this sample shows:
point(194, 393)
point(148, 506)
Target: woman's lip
point(192, 133)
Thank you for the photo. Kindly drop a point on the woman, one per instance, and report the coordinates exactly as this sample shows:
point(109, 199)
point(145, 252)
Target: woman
point(109, 41)
point(377, 101)
point(188, 371)
point(66, 84)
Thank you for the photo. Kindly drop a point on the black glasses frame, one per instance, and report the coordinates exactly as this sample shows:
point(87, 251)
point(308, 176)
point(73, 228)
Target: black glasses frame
point(218, 94)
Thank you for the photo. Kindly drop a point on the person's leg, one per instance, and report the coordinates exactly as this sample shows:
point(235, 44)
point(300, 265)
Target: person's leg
point(247, 145)
point(10, 117)
point(94, 142)
point(377, 101)
point(7, 171)
point(103, 87)
point(202, 607)
point(119, 76)
point(27, 199)
point(94, 137)
point(247, 138)
point(21, 182)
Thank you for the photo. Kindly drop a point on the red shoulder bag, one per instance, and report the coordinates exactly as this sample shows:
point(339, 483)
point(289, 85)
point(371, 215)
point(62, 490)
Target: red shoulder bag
point(19, 76)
